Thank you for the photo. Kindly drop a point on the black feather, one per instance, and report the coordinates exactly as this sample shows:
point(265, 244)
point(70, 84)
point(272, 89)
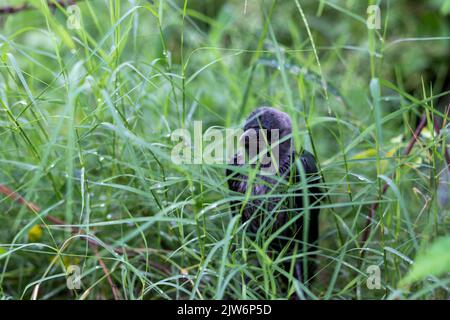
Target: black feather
point(266, 215)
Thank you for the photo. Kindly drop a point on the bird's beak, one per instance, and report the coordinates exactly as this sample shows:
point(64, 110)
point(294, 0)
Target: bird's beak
point(247, 133)
point(249, 138)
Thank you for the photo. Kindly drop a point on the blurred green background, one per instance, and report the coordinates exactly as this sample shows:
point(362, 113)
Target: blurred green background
point(89, 97)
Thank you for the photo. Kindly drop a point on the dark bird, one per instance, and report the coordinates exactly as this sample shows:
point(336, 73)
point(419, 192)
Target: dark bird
point(277, 201)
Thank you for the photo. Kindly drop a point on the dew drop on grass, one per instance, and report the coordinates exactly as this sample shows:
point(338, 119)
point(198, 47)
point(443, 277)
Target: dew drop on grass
point(361, 177)
point(213, 206)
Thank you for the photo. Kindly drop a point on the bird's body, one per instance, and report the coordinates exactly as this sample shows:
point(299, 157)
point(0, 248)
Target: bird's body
point(277, 203)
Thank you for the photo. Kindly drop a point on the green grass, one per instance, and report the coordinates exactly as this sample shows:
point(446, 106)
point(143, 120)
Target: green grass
point(85, 122)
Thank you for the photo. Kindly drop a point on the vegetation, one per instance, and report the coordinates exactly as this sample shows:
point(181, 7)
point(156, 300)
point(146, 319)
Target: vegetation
point(89, 97)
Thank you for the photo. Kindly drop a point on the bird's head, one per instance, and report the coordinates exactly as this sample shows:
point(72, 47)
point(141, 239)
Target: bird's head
point(274, 124)
point(270, 119)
